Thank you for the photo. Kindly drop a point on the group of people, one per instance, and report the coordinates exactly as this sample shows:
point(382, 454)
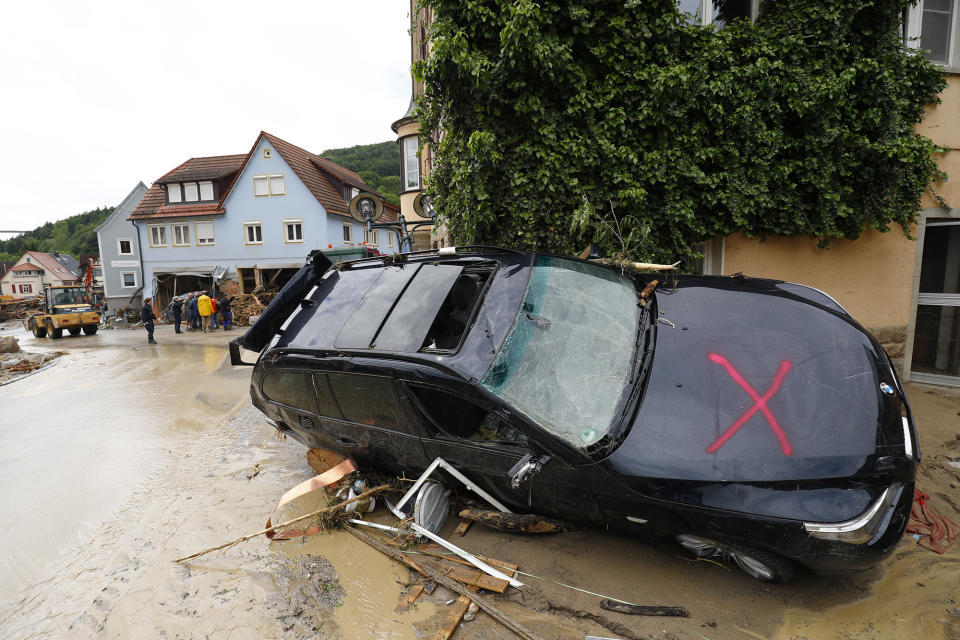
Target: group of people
point(203, 313)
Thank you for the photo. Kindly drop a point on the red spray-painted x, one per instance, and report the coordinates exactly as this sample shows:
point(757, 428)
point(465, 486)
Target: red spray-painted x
point(760, 404)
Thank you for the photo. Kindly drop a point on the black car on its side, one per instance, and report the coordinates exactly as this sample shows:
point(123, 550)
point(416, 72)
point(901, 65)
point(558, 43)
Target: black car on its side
point(751, 420)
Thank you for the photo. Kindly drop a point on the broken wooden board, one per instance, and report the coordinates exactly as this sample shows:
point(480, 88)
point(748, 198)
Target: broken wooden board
point(439, 552)
point(462, 527)
point(515, 523)
point(321, 460)
point(637, 610)
point(450, 623)
point(410, 597)
point(476, 578)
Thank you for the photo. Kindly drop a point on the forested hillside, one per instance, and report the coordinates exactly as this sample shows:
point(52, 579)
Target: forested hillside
point(378, 165)
point(73, 235)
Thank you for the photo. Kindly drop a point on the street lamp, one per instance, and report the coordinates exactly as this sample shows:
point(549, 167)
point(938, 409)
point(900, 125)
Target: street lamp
point(367, 208)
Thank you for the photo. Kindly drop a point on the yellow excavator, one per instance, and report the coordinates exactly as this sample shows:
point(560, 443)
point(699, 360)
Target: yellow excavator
point(66, 307)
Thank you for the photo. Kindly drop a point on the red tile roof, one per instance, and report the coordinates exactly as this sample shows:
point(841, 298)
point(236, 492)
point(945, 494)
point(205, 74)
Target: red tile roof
point(49, 264)
point(154, 202)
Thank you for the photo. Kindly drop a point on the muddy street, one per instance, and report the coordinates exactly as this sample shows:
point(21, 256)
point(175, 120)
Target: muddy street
point(123, 457)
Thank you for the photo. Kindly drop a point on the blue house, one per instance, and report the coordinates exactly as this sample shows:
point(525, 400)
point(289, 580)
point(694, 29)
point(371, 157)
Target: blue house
point(237, 222)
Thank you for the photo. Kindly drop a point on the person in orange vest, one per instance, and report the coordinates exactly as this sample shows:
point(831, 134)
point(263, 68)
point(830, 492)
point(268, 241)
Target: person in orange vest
point(205, 309)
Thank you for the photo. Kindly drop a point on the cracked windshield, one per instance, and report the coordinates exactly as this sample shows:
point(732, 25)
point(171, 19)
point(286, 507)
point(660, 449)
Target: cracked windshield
point(566, 361)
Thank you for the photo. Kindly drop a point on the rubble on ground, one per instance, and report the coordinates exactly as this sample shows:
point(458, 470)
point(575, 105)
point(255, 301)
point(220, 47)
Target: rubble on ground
point(245, 305)
point(9, 344)
point(17, 363)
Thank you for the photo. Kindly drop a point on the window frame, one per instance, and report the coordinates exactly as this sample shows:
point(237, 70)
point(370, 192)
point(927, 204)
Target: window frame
point(252, 224)
point(123, 283)
point(288, 224)
point(405, 159)
point(179, 191)
point(173, 234)
point(266, 179)
point(196, 234)
point(120, 251)
point(348, 236)
point(435, 430)
point(283, 184)
point(150, 230)
point(213, 191)
point(914, 31)
point(706, 12)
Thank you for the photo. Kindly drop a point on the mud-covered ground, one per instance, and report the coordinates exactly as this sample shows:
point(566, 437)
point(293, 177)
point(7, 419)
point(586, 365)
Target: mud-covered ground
point(124, 457)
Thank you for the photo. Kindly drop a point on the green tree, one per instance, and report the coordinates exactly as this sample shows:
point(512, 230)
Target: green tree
point(377, 164)
point(625, 123)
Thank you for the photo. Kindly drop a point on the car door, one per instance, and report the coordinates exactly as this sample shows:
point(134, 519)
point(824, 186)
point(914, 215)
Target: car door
point(359, 416)
point(484, 445)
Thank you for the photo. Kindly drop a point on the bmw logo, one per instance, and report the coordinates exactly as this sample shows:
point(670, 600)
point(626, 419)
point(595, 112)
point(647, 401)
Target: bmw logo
point(887, 389)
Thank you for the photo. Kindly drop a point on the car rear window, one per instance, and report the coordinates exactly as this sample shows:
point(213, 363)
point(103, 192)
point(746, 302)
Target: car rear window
point(292, 388)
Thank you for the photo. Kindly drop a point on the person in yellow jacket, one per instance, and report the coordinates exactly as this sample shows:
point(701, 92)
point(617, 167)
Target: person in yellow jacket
point(205, 309)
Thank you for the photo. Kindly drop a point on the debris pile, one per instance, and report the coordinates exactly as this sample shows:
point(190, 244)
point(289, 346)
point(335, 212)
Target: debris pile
point(245, 305)
point(15, 363)
point(20, 309)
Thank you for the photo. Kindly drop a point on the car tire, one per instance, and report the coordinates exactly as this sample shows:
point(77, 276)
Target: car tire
point(37, 330)
point(74, 331)
point(90, 329)
point(756, 563)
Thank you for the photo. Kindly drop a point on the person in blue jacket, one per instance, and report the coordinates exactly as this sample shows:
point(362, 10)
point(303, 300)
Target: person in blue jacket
point(147, 316)
point(176, 308)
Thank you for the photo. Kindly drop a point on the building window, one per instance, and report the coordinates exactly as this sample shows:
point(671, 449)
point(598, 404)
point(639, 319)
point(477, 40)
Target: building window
point(129, 279)
point(26, 288)
point(719, 12)
point(267, 154)
point(411, 163)
point(204, 231)
point(293, 230)
point(389, 240)
point(157, 234)
point(174, 194)
point(190, 192)
point(252, 233)
point(125, 246)
point(181, 234)
point(347, 233)
point(269, 185)
point(206, 191)
point(371, 237)
point(930, 27)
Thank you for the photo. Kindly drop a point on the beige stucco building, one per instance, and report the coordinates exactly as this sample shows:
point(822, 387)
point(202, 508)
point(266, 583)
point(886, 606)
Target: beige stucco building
point(35, 270)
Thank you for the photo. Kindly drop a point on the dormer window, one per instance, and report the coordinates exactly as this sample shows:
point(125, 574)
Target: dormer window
point(189, 192)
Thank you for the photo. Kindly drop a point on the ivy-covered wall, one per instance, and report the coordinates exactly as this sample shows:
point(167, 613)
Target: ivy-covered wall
point(570, 121)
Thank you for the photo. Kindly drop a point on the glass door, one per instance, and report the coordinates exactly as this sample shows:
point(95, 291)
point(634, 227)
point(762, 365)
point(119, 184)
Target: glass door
point(936, 343)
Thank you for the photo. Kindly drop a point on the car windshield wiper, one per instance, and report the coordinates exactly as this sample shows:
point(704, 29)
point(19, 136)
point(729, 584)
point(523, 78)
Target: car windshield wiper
point(642, 359)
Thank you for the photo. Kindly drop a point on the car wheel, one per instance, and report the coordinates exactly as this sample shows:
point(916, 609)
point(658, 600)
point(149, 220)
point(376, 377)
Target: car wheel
point(74, 331)
point(38, 331)
point(53, 333)
point(90, 329)
point(757, 563)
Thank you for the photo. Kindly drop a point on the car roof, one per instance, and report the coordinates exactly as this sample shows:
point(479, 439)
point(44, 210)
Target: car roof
point(383, 308)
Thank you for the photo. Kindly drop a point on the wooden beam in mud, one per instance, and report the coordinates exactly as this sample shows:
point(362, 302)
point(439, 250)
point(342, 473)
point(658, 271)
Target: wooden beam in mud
point(410, 597)
point(453, 585)
point(476, 578)
point(452, 621)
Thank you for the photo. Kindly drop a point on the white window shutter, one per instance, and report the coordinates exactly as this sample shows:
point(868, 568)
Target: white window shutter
point(173, 193)
point(260, 187)
point(277, 188)
point(206, 191)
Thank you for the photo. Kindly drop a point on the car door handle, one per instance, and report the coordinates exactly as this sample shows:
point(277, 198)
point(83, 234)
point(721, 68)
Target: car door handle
point(347, 442)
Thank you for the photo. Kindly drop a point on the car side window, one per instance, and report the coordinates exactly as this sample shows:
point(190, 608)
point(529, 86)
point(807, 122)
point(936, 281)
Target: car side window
point(367, 400)
point(292, 388)
point(458, 418)
point(326, 404)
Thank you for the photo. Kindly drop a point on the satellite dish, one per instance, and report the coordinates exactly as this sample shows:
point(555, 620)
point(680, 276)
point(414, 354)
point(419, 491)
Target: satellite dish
point(366, 206)
point(423, 206)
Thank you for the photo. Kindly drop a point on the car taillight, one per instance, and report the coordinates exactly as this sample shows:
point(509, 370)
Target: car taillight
point(865, 527)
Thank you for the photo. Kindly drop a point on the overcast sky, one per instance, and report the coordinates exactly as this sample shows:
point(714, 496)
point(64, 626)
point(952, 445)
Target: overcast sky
point(101, 95)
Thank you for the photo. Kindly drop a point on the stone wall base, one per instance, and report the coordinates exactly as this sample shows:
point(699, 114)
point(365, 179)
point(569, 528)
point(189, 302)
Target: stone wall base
point(894, 342)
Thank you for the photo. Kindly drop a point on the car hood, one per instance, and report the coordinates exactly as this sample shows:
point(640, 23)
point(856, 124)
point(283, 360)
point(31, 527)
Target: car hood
point(758, 381)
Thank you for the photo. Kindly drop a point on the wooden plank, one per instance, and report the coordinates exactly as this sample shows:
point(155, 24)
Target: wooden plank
point(638, 610)
point(476, 578)
point(410, 597)
point(321, 460)
point(450, 623)
point(462, 527)
point(436, 550)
